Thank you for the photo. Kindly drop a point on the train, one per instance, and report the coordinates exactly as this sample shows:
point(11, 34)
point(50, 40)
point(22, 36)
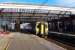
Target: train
point(37, 28)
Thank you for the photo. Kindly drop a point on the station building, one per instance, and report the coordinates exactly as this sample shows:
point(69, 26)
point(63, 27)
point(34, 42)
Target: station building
point(59, 19)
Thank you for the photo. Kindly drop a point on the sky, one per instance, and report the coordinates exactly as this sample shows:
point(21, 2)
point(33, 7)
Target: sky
point(64, 3)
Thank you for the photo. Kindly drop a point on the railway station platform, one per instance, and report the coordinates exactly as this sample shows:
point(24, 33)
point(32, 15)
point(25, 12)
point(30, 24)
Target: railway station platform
point(22, 41)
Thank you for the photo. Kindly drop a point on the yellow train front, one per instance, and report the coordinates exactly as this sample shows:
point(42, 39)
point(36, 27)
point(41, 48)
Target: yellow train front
point(42, 29)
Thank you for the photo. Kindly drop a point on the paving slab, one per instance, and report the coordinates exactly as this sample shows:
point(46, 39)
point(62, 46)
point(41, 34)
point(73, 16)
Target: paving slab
point(4, 40)
point(31, 42)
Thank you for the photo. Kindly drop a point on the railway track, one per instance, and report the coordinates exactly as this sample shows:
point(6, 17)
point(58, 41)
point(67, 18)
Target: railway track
point(63, 40)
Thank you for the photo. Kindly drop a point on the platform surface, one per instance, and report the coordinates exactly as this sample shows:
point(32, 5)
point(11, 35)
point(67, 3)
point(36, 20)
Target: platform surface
point(20, 41)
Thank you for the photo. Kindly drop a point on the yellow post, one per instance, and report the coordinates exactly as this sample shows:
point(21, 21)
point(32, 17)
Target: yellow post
point(42, 29)
point(37, 29)
point(46, 29)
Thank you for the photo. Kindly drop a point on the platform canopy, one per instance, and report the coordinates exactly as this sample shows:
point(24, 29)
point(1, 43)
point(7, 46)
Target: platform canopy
point(12, 7)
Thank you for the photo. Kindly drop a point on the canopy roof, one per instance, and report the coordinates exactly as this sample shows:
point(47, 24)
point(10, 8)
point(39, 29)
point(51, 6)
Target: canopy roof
point(9, 7)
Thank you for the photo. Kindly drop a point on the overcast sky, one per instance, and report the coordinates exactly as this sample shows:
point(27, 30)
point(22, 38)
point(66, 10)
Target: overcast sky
point(65, 3)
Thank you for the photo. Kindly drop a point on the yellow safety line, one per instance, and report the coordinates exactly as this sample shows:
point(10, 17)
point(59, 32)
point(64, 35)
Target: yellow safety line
point(6, 47)
point(5, 44)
